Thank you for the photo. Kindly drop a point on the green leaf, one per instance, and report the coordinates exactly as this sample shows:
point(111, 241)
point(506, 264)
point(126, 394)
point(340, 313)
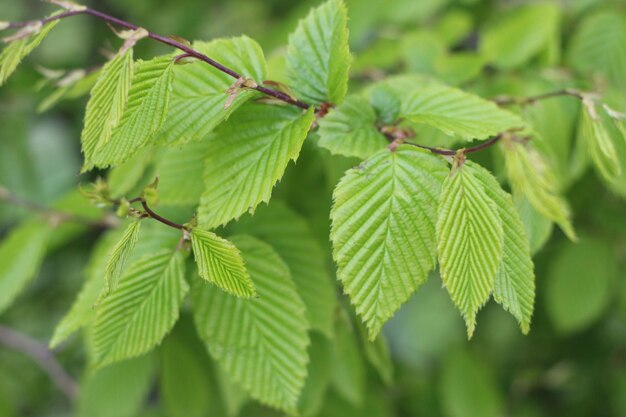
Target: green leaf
point(21, 254)
point(318, 55)
point(17, 50)
point(579, 284)
point(82, 311)
point(468, 389)
point(106, 106)
point(117, 261)
point(599, 142)
point(261, 343)
point(598, 46)
point(180, 172)
point(515, 282)
point(378, 355)
point(470, 242)
point(383, 230)
point(521, 35)
point(199, 95)
point(241, 171)
point(145, 112)
point(319, 372)
point(119, 390)
point(538, 228)
point(349, 376)
point(290, 236)
point(220, 262)
point(185, 385)
point(458, 113)
point(350, 129)
point(142, 309)
point(531, 176)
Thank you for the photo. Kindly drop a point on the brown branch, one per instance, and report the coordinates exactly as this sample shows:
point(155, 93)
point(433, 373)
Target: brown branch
point(39, 353)
point(158, 218)
point(452, 152)
point(188, 50)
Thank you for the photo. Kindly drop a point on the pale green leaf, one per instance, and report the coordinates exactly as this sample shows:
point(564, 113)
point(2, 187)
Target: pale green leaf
point(599, 143)
point(180, 171)
point(246, 158)
point(598, 46)
point(199, 91)
point(262, 342)
point(117, 260)
point(132, 175)
point(17, 50)
point(470, 242)
point(538, 228)
point(145, 112)
point(21, 254)
point(521, 35)
point(106, 105)
point(580, 284)
point(318, 55)
point(136, 316)
point(350, 129)
point(532, 177)
point(383, 230)
point(378, 355)
point(119, 390)
point(83, 310)
point(515, 282)
point(220, 262)
point(290, 236)
point(458, 113)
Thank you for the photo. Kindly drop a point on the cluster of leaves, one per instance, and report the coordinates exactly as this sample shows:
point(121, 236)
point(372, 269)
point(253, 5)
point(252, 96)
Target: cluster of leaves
point(262, 299)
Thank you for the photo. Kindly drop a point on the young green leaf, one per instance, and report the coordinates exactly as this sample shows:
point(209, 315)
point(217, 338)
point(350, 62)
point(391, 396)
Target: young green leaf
point(318, 55)
point(199, 96)
point(290, 236)
point(532, 177)
point(470, 241)
point(18, 49)
point(21, 254)
point(145, 112)
point(350, 129)
point(180, 171)
point(241, 171)
point(319, 373)
point(220, 262)
point(515, 282)
point(261, 343)
point(82, 311)
point(383, 230)
point(142, 309)
point(106, 105)
point(599, 143)
point(457, 113)
point(117, 261)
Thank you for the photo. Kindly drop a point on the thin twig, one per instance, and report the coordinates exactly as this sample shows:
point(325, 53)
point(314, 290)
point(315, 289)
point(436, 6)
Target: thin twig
point(54, 215)
point(39, 353)
point(525, 101)
point(189, 51)
point(158, 218)
point(452, 152)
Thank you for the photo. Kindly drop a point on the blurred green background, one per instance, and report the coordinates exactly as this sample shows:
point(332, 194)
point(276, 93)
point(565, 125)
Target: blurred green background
point(573, 362)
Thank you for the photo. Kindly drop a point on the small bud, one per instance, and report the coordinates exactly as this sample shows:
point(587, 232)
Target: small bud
point(122, 210)
point(26, 31)
point(150, 193)
point(68, 5)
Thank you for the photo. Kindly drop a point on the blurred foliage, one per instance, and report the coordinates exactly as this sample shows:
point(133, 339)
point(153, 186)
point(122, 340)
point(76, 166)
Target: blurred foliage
point(573, 362)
